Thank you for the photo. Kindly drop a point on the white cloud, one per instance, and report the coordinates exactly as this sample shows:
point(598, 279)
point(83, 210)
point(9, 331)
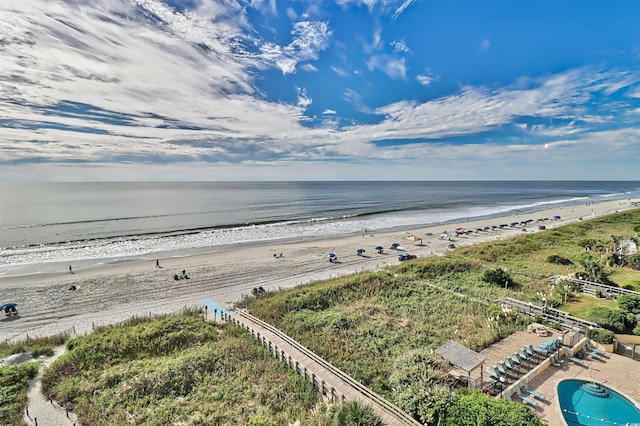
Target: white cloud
point(340, 71)
point(393, 67)
point(401, 9)
point(425, 80)
point(308, 67)
point(376, 42)
point(309, 39)
point(399, 46)
point(292, 14)
point(329, 112)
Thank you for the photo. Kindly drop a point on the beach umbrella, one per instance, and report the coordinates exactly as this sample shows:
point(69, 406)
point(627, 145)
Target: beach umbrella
point(459, 229)
point(379, 249)
point(331, 255)
point(556, 217)
point(493, 226)
point(395, 245)
point(479, 229)
point(360, 251)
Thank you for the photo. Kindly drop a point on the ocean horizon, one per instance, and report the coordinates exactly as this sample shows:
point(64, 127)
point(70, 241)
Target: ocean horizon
point(44, 227)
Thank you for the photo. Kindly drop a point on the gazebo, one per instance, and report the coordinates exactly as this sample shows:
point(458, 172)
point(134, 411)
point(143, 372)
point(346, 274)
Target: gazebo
point(462, 357)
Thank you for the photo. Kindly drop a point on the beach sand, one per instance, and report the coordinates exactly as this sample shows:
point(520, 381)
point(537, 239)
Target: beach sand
point(110, 294)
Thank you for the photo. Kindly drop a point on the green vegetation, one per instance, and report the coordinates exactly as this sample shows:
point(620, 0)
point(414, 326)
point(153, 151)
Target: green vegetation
point(378, 327)
point(14, 383)
point(581, 305)
point(497, 276)
point(601, 335)
point(176, 370)
point(629, 303)
point(35, 347)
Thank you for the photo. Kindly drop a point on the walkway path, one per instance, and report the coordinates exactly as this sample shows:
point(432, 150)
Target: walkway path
point(324, 376)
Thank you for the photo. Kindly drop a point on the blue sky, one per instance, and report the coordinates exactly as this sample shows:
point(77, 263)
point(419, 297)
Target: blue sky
point(306, 90)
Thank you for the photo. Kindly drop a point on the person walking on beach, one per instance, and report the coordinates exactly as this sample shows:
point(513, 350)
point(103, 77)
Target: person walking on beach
point(157, 263)
point(70, 270)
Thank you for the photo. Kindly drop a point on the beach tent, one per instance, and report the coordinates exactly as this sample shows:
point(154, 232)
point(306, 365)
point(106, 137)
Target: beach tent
point(414, 238)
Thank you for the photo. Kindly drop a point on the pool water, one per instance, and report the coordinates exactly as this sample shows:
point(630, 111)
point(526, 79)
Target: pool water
point(591, 404)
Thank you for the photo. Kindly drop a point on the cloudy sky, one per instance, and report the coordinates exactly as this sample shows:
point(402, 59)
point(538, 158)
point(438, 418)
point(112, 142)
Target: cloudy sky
point(308, 90)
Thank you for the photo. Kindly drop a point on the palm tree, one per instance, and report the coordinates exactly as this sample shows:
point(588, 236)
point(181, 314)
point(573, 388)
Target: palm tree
point(593, 268)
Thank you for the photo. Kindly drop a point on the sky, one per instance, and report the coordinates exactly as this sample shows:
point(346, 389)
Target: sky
point(150, 90)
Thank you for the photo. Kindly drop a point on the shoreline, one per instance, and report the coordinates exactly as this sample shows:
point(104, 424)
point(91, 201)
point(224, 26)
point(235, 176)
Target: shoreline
point(111, 293)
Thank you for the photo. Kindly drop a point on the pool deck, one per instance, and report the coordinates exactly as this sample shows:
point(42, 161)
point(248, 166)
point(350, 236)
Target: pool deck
point(618, 372)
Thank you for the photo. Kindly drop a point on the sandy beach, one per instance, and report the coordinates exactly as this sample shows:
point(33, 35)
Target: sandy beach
point(110, 294)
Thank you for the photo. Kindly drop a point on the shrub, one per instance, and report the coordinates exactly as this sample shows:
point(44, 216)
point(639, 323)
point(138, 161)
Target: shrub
point(598, 293)
point(558, 260)
point(601, 335)
point(608, 318)
point(497, 276)
point(629, 303)
point(478, 409)
point(636, 330)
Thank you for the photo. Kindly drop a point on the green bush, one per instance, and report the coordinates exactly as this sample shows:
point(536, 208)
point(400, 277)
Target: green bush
point(629, 303)
point(598, 293)
point(636, 330)
point(558, 260)
point(608, 318)
point(600, 335)
point(497, 276)
point(478, 409)
point(14, 380)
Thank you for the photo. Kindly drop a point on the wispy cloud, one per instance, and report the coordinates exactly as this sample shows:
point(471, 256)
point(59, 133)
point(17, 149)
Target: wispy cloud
point(392, 66)
point(485, 44)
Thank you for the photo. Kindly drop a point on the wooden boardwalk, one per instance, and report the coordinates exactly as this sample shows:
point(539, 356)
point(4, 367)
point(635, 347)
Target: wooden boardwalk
point(325, 377)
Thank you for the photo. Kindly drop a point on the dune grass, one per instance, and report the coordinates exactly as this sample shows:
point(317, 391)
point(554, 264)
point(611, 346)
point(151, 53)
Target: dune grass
point(176, 370)
point(14, 381)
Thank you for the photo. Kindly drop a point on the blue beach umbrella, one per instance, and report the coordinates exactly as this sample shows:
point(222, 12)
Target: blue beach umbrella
point(556, 217)
point(395, 245)
point(379, 249)
point(331, 255)
point(360, 251)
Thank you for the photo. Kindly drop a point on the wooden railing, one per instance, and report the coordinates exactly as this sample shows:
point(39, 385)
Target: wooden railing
point(589, 287)
point(385, 405)
point(548, 315)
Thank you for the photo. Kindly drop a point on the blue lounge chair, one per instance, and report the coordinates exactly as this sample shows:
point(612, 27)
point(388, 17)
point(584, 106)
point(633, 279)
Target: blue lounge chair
point(591, 353)
point(596, 350)
point(507, 396)
point(525, 398)
point(500, 369)
point(571, 358)
point(492, 373)
point(555, 360)
point(533, 392)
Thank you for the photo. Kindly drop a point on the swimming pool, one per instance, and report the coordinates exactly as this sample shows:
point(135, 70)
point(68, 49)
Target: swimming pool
point(593, 404)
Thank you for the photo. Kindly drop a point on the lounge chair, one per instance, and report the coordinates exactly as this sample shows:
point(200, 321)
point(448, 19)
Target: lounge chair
point(571, 358)
point(524, 397)
point(492, 373)
point(499, 369)
point(591, 354)
point(595, 350)
point(507, 396)
point(533, 392)
point(555, 360)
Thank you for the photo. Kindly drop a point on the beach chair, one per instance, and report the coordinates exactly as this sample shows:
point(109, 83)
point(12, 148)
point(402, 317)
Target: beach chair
point(528, 350)
point(591, 354)
point(507, 396)
point(492, 373)
point(525, 398)
point(499, 369)
point(571, 358)
point(533, 392)
point(595, 350)
point(555, 360)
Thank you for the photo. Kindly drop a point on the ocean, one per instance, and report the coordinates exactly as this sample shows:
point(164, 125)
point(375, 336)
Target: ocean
point(45, 227)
